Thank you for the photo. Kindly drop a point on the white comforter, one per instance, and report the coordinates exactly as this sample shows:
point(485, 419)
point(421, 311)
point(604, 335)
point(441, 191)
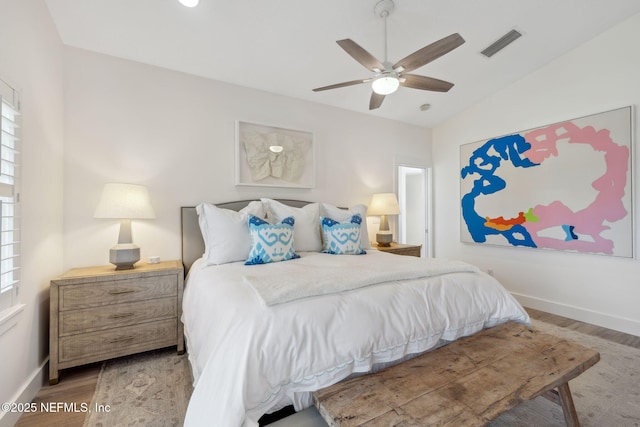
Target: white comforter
point(249, 358)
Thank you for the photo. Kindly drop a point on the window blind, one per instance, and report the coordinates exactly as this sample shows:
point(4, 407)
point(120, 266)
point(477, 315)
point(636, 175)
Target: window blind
point(9, 202)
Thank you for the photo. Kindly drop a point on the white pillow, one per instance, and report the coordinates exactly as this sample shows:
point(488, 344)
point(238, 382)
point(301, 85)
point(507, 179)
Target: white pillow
point(342, 215)
point(306, 230)
point(225, 232)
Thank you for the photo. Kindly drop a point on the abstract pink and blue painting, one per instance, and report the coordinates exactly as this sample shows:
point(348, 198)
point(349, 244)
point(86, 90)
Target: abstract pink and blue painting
point(565, 186)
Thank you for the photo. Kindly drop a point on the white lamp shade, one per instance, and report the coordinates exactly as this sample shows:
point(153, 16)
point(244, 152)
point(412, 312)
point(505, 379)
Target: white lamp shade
point(384, 85)
point(384, 204)
point(125, 201)
point(189, 3)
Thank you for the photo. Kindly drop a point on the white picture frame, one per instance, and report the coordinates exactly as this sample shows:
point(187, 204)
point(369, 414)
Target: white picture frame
point(259, 163)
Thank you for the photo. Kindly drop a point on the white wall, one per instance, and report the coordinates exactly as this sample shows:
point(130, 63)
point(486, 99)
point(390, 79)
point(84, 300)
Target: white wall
point(34, 65)
point(598, 76)
point(129, 122)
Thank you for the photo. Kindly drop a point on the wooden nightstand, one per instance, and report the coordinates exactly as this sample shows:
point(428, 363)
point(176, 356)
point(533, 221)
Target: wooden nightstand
point(99, 313)
point(399, 249)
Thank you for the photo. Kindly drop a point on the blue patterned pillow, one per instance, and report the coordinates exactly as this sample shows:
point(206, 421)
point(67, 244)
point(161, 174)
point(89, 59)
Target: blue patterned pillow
point(270, 242)
point(341, 238)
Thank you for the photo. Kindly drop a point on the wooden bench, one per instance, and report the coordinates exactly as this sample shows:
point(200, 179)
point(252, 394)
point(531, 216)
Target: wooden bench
point(466, 383)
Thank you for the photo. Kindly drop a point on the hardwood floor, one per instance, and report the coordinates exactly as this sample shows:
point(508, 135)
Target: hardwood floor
point(586, 328)
point(78, 384)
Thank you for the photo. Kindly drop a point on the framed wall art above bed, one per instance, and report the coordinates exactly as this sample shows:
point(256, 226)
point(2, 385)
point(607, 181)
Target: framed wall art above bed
point(565, 186)
point(271, 156)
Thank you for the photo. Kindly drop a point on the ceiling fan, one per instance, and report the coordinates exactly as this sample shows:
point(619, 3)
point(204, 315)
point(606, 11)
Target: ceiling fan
point(389, 76)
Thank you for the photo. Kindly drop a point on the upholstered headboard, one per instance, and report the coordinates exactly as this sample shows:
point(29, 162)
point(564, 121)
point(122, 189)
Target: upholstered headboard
point(192, 243)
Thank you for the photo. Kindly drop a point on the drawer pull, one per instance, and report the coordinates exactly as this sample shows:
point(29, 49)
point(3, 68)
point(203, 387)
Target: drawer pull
point(121, 339)
point(121, 315)
point(121, 291)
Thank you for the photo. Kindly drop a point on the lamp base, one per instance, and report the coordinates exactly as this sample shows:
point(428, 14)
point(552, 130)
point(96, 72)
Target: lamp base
point(384, 239)
point(124, 256)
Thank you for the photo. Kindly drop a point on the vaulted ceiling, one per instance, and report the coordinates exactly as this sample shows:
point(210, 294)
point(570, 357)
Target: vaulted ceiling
point(288, 47)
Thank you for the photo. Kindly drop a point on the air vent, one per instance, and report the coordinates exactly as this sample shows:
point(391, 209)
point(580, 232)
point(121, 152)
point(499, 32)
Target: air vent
point(501, 43)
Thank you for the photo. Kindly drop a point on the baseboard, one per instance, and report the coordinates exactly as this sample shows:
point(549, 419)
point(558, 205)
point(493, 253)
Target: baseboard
point(621, 324)
point(27, 392)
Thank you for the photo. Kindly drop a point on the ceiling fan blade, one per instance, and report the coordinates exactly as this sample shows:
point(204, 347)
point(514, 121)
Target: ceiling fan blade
point(430, 53)
point(362, 56)
point(337, 85)
point(375, 101)
point(425, 83)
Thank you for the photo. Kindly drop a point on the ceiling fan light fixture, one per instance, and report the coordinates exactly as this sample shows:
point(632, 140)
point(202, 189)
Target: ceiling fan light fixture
point(386, 84)
point(189, 3)
point(389, 76)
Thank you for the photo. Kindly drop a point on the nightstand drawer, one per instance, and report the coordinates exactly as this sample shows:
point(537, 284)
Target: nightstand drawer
point(106, 317)
point(116, 342)
point(94, 294)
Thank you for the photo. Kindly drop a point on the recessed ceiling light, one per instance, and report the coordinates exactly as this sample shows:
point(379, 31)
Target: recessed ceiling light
point(189, 3)
point(425, 107)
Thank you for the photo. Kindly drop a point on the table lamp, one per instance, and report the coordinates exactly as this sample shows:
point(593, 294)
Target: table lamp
point(384, 204)
point(124, 202)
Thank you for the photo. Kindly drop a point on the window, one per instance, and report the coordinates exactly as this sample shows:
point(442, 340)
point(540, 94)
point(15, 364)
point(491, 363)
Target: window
point(9, 197)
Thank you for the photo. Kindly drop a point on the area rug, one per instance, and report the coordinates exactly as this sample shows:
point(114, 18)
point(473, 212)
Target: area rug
point(147, 389)
point(607, 394)
point(153, 389)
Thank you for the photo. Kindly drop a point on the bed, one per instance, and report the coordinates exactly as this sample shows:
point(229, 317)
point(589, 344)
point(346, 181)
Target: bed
point(264, 336)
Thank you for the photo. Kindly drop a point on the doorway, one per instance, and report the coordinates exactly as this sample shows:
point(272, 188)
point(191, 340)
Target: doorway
point(413, 198)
